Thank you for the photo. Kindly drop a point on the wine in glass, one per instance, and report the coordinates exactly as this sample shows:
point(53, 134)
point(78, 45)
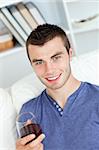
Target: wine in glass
point(27, 124)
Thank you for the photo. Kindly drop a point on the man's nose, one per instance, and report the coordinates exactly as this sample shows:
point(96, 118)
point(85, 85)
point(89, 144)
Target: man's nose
point(49, 67)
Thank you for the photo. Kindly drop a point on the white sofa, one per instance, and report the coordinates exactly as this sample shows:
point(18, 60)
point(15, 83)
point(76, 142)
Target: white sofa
point(84, 67)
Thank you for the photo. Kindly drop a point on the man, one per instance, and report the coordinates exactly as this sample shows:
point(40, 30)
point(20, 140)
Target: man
point(68, 110)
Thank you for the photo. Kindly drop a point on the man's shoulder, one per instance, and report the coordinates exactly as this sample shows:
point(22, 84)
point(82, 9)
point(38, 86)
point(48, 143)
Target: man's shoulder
point(92, 86)
point(92, 89)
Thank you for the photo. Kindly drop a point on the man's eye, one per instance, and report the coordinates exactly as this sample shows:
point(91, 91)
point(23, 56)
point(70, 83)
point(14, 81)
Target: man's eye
point(38, 62)
point(57, 57)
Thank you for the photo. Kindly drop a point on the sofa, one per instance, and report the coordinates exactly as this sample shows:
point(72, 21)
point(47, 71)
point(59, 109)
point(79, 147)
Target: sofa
point(84, 68)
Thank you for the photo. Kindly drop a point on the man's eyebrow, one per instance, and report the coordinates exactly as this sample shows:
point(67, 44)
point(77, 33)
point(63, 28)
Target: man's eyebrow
point(58, 53)
point(35, 60)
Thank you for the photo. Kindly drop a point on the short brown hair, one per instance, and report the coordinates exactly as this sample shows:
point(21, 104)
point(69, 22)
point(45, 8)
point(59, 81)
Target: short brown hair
point(44, 33)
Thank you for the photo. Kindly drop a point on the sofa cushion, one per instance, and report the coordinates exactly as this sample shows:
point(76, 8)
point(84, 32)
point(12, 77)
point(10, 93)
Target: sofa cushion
point(7, 122)
point(86, 67)
point(25, 89)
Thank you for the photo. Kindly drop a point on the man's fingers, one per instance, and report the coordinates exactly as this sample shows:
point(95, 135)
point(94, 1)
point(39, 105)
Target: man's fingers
point(26, 139)
point(28, 122)
point(37, 141)
point(35, 144)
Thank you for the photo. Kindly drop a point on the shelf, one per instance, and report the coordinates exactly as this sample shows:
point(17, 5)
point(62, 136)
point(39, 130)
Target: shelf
point(70, 1)
point(87, 26)
point(4, 3)
point(11, 51)
point(88, 29)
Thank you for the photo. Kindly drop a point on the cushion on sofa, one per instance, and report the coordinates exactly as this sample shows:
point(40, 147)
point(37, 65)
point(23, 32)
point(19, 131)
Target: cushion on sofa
point(25, 89)
point(7, 122)
point(86, 67)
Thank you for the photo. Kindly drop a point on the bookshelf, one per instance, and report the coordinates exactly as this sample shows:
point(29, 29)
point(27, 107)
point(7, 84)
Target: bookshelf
point(45, 8)
point(83, 22)
point(84, 36)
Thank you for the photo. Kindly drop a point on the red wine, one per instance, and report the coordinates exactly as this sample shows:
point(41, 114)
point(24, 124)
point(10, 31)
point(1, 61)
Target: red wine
point(31, 129)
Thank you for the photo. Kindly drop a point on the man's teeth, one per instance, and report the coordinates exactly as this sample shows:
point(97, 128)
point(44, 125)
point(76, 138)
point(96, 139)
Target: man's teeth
point(53, 78)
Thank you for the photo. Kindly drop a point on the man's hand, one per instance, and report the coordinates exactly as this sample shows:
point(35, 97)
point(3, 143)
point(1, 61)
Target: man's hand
point(34, 145)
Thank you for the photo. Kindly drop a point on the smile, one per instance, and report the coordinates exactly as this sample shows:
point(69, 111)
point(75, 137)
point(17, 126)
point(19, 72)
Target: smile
point(53, 78)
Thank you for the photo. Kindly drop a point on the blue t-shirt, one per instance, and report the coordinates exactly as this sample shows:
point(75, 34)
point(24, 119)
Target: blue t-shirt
point(77, 127)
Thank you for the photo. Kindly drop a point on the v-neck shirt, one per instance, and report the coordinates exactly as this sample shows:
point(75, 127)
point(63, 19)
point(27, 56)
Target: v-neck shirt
point(77, 128)
point(70, 100)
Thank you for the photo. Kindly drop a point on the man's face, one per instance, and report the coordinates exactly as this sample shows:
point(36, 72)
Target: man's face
point(51, 63)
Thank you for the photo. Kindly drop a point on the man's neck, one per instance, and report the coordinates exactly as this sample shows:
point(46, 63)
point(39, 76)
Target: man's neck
point(61, 95)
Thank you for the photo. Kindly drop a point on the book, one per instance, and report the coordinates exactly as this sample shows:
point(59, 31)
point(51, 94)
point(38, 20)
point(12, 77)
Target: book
point(35, 13)
point(11, 28)
point(25, 26)
point(27, 16)
point(13, 21)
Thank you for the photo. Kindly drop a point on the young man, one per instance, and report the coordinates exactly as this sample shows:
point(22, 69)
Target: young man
point(68, 110)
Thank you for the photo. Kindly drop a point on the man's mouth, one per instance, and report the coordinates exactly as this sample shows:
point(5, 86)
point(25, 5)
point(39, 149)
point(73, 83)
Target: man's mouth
point(53, 78)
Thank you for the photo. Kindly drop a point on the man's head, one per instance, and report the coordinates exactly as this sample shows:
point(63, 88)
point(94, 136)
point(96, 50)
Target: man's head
point(49, 53)
point(44, 33)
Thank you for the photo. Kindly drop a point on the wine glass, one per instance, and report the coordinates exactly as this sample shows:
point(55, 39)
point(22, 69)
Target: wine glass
point(26, 124)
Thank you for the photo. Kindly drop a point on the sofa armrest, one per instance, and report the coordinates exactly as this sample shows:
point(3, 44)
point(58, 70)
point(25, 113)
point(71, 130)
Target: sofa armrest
point(7, 122)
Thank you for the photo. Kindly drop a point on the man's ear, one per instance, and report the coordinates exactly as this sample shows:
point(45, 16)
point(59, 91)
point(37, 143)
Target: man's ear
point(70, 53)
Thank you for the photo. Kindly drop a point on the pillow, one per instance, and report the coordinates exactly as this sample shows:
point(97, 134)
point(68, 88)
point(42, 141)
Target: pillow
point(7, 122)
point(25, 89)
point(86, 67)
